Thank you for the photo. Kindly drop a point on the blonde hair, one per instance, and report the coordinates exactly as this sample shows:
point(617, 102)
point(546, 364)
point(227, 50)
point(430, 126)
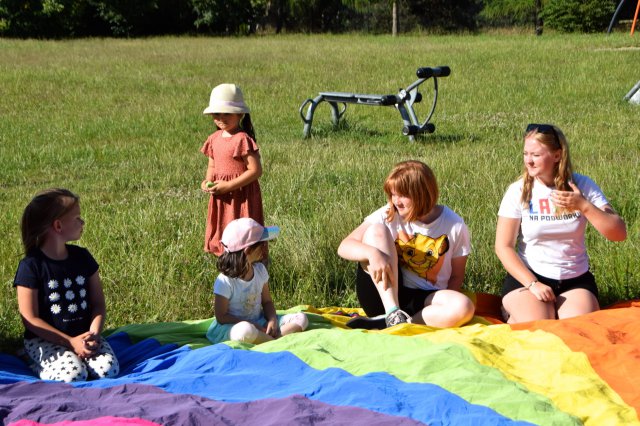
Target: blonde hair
point(45, 208)
point(415, 180)
point(553, 141)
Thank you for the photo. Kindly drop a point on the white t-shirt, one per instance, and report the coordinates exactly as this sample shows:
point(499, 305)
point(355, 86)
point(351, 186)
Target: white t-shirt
point(245, 297)
point(425, 250)
point(553, 246)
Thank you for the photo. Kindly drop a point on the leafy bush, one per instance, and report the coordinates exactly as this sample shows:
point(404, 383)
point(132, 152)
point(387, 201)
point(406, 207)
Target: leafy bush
point(77, 18)
point(508, 12)
point(228, 17)
point(317, 16)
point(447, 15)
point(578, 15)
point(124, 18)
point(45, 18)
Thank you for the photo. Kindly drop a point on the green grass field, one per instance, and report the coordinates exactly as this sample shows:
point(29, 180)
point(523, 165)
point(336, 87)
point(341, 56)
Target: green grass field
point(120, 123)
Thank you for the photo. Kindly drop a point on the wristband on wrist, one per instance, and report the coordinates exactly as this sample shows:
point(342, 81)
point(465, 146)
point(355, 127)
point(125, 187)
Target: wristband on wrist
point(531, 284)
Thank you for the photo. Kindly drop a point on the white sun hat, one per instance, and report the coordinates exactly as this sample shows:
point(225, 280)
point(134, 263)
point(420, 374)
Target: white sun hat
point(226, 98)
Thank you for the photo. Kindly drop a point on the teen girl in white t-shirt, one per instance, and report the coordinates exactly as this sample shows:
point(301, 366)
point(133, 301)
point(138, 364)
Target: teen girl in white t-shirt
point(540, 236)
point(412, 255)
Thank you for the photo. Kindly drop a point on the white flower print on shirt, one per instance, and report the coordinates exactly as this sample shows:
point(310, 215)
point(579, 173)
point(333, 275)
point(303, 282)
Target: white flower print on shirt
point(55, 309)
point(83, 293)
point(80, 280)
point(67, 282)
point(54, 297)
point(83, 305)
point(53, 284)
point(70, 295)
point(73, 308)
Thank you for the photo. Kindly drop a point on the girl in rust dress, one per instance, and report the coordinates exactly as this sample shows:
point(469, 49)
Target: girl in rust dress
point(234, 166)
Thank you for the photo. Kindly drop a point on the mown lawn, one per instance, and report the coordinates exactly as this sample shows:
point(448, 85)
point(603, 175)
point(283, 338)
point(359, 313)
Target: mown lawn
point(120, 123)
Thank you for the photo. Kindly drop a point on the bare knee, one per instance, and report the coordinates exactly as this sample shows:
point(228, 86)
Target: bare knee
point(243, 331)
point(448, 308)
point(463, 310)
point(576, 302)
point(460, 311)
point(377, 235)
point(294, 323)
point(300, 319)
point(522, 306)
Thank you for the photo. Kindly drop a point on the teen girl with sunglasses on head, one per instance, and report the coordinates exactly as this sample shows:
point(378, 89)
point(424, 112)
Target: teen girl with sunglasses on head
point(540, 235)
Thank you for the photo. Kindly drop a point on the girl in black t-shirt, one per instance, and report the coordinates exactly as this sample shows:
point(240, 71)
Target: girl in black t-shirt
point(59, 293)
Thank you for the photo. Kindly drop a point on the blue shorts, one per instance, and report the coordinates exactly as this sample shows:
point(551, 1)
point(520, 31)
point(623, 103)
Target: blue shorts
point(218, 333)
point(586, 281)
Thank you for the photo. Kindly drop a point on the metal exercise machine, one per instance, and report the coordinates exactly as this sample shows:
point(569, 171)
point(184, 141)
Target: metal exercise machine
point(403, 101)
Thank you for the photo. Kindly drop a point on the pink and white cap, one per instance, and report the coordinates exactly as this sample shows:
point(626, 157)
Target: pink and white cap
point(245, 232)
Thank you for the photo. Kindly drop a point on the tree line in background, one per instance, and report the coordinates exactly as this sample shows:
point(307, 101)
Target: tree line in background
point(133, 18)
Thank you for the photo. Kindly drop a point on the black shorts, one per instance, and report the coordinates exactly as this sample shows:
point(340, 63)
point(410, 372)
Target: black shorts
point(586, 281)
point(411, 299)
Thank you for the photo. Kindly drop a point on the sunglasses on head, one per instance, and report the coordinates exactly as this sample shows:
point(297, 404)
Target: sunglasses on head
point(546, 129)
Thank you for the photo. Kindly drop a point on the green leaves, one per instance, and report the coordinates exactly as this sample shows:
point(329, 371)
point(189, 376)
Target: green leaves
point(586, 16)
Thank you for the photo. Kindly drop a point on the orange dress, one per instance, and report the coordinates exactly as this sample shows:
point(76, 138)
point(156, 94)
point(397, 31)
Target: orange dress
point(227, 155)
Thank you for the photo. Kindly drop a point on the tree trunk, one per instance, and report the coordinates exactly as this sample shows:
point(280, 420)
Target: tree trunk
point(394, 19)
point(538, 17)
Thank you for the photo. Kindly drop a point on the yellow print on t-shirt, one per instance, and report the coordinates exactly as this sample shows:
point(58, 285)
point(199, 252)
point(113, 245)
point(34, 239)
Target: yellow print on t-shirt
point(422, 254)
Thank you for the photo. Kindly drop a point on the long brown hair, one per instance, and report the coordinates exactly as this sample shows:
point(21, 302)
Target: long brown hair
point(236, 264)
point(415, 180)
point(247, 126)
point(46, 207)
point(553, 141)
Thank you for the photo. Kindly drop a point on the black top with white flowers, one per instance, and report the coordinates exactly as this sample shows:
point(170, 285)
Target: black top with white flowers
point(63, 298)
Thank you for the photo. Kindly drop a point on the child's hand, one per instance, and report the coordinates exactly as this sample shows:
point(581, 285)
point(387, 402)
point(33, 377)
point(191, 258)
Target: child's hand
point(380, 270)
point(272, 329)
point(207, 186)
point(92, 342)
point(220, 187)
point(85, 345)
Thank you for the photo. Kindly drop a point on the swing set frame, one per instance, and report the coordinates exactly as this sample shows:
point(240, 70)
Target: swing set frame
point(615, 16)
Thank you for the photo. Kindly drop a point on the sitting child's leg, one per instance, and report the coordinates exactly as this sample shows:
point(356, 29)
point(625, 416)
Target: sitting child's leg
point(293, 323)
point(55, 362)
point(446, 308)
point(104, 363)
point(246, 332)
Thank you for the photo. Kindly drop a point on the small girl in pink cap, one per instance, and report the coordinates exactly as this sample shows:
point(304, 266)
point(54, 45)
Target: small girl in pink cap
point(243, 307)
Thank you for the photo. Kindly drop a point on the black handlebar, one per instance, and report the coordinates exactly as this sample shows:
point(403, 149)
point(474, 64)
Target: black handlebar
point(426, 72)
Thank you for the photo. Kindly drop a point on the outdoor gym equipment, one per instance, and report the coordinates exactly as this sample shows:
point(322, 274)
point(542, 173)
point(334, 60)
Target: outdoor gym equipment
point(634, 94)
point(403, 101)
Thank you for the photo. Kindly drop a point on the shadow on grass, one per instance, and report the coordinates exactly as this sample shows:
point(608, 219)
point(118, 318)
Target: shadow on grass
point(10, 344)
point(324, 130)
point(344, 128)
point(439, 139)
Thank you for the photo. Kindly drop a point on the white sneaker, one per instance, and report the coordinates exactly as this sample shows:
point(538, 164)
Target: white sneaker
point(397, 317)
